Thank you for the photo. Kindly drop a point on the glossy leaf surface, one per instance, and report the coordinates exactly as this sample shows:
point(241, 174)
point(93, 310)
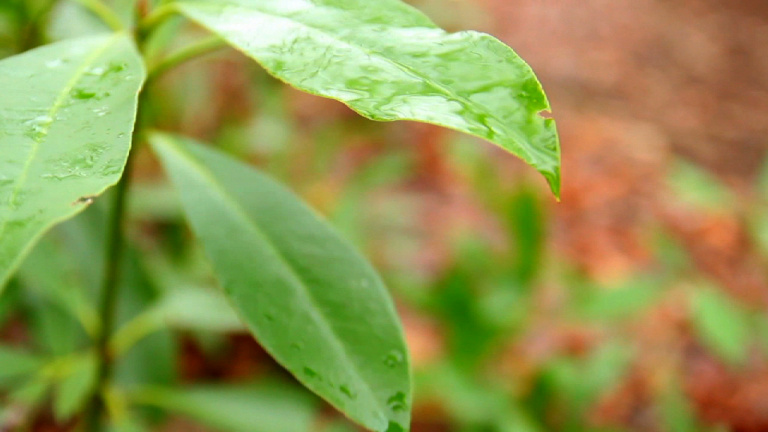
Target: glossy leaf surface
point(387, 61)
point(307, 296)
point(66, 115)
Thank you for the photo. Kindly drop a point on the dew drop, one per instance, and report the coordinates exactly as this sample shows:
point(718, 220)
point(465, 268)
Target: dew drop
point(37, 128)
point(96, 71)
point(101, 112)
point(348, 392)
point(393, 359)
point(397, 402)
point(53, 64)
point(311, 373)
point(83, 94)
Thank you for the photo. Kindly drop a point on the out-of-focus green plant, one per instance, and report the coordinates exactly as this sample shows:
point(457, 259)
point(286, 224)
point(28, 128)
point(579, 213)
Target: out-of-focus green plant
point(76, 112)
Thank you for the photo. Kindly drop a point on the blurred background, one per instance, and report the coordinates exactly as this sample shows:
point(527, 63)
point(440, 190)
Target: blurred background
point(638, 303)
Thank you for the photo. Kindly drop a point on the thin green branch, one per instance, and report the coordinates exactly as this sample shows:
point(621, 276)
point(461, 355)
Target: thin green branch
point(157, 17)
point(193, 51)
point(104, 12)
point(109, 291)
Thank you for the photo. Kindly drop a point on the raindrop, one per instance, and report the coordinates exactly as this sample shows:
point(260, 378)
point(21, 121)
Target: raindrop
point(310, 373)
point(101, 112)
point(347, 392)
point(96, 71)
point(397, 402)
point(83, 94)
point(37, 128)
point(53, 64)
point(394, 358)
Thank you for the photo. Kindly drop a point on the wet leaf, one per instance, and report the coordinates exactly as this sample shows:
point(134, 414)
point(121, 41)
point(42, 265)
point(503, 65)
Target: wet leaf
point(387, 61)
point(66, 116)
point(307, 296)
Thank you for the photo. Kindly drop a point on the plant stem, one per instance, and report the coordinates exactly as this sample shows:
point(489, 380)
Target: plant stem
point(32, 33)
point(185, 54)
point(157, 17)
point(109, 290)
point(104, 12)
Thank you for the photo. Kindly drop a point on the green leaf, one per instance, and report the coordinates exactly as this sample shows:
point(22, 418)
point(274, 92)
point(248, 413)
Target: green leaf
point(17, 363)
point(74, 388)
point(721, 325)
point(199, 309)
point(313, 302)
point(387, 61)
point(266, 407)
point(66, 118)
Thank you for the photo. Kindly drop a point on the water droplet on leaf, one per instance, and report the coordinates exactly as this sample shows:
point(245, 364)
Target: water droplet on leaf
point(397, 402)
point(394, 358)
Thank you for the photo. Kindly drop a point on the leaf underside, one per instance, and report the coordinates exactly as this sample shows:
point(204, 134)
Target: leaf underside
point(66, 116)
point(306, 295)
point(387, 61)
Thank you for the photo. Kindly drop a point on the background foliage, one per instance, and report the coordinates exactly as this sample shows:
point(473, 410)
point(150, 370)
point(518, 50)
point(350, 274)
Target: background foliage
point(638, 303)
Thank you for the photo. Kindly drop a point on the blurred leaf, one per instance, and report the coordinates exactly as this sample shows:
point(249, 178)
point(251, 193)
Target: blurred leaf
point(676, 410)
point(526, 221)
point(620, 303)
point(694, 185)
point(264, 408)
point(721, 324)
point(151, 360)
point(199, 309)
point(54, 331)
point(573, 384)
point(49, 271)
point(315, 304)
point(68, 113)
point(71, 20)
point(74, 389)
point(469, 333)
point(15, 363)
point(9, 301)
point(30, 394)
point(387, 61)
point(464, 398)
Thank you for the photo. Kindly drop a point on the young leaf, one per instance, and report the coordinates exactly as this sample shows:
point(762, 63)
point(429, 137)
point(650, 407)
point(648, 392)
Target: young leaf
point(387, 61)
point(313, 302)
point(66, 116)
point(722, 325)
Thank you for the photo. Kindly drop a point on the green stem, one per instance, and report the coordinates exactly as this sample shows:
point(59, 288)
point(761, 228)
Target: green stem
point(104, 12)
point(186, 54)
point(109, 291)
point(32, 34)
point(157, 17)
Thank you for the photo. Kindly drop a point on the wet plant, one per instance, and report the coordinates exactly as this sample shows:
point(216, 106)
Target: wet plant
point(74, 114)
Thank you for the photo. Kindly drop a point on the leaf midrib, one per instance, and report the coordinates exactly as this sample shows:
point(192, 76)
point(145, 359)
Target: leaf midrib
point(57, 105)
point(298, 280)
